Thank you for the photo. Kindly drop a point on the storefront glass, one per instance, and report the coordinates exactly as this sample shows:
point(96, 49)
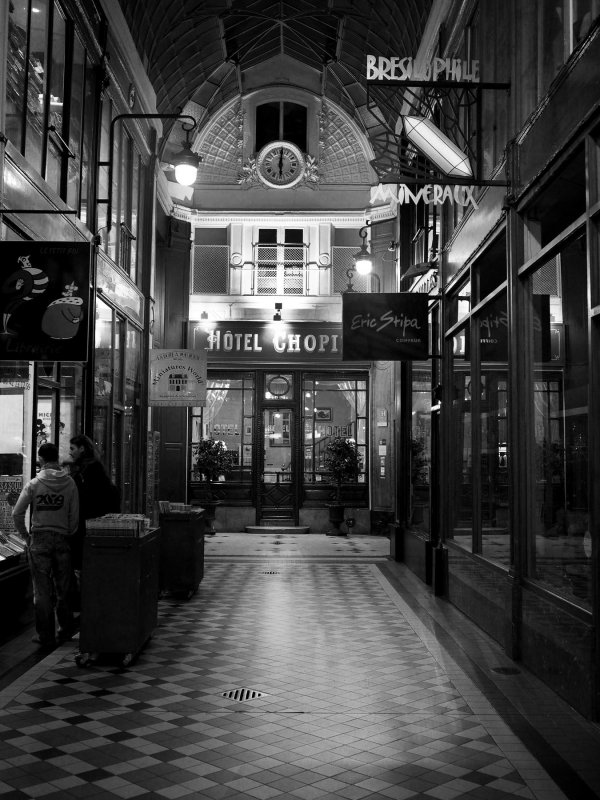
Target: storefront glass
point(332, 408)
point(559, 328)
point(460, 478)
point(228, 416)
point(492, 323)
point(420, 448)
point(132, 393)
point(103, 374)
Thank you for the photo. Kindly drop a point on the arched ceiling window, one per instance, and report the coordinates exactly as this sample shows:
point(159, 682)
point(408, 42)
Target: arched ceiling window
point(280, 120)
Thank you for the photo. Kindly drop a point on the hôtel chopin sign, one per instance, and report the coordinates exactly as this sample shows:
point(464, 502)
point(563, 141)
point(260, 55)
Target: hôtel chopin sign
point(263, 342)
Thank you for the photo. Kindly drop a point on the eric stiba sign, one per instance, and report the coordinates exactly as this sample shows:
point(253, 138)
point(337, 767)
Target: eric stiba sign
point(385, 327)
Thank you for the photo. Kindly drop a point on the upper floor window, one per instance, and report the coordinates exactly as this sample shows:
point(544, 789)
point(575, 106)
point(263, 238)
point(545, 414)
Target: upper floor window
point(49, 98)
point(280, 264)
point(121, 243)
point(280, 120)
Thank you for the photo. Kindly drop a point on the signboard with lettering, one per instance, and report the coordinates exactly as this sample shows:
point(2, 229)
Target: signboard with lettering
point(405, 70)
point(177, 377)
point(264, 342)
point(44, 300)
point(385, 327)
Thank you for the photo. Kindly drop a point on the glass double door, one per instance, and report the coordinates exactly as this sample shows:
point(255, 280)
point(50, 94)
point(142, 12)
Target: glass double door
point(278, 489)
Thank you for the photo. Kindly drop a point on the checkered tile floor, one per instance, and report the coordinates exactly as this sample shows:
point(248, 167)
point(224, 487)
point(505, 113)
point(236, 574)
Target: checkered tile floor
point(355, 698)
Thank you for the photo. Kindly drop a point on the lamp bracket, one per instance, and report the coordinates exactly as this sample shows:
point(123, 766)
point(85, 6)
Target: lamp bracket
point(111, 150)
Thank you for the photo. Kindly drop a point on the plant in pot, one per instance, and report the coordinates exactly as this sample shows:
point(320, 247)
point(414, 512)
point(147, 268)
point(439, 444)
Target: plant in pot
point(211, 460)
point(343, 461)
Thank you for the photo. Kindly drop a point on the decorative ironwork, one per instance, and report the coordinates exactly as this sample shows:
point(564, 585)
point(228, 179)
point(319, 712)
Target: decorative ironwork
point(455, 107)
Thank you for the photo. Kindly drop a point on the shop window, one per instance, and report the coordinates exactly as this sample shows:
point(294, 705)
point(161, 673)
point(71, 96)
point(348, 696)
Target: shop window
point(420, 448)
point(228, 416)
point(17, 457)
point(459, 304)
point(281, 120)
point(561, 202)
point(559, 328)
point(332, 408)
point(489, 271)
point(460, 478)
point(492, 438)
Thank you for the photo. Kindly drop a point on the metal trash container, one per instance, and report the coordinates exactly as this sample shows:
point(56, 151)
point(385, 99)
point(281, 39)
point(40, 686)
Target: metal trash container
point(119, 594)
point(181, 551)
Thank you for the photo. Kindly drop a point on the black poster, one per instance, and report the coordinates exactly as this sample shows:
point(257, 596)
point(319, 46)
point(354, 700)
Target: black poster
point(44, 300)
point(385, 327)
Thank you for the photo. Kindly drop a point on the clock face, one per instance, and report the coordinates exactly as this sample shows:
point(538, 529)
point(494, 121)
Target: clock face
point(280, 165)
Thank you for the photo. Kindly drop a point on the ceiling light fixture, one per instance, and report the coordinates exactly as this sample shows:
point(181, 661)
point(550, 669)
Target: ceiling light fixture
point(277, 314)
point(438, 148)
point(186, 163)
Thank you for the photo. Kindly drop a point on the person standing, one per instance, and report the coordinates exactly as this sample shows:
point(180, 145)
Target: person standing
point(54, 518)
point(97, 493)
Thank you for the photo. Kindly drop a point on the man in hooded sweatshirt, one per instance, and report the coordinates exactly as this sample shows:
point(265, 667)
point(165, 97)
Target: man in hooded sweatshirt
point(54, 517)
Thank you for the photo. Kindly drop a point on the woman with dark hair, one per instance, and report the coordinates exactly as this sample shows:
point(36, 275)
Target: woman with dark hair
point(97, 493)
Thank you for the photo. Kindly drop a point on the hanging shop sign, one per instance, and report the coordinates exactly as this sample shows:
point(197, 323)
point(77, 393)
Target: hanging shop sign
point(44, 300)
point(385, 327)
point(430, 194)
point(265, 342)
point(404, 70)
point(177, 377)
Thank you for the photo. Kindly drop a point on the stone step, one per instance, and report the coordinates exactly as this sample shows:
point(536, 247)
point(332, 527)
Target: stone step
point(279, 529)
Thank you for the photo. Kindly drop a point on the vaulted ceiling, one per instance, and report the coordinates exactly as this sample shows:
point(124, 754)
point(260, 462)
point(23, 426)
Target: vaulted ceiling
point(205, 50)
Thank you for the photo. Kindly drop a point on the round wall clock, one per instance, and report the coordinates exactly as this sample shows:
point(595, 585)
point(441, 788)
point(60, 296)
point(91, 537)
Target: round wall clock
point(280, 165)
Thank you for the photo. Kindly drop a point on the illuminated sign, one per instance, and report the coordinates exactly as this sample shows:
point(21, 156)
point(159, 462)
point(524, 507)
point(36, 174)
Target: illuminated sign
point(385, 327)
point(430, 194)
point(263, 342)
point(400, 70)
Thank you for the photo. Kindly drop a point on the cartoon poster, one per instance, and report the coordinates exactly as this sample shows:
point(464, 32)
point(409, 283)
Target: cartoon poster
point(44, 300)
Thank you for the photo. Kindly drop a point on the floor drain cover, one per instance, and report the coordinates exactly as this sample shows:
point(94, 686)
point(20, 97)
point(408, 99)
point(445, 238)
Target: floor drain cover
point(241, 695)
point(506, 670)
point(271, 572)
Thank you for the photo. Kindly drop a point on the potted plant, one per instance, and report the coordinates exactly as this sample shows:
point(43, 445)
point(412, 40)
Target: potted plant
point(343, 461)
point(211, 460)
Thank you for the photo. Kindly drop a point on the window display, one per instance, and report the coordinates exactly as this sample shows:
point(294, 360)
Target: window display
point(561, 558)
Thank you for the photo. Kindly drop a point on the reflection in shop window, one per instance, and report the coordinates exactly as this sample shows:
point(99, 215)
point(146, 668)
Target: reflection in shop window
point(561, 559)
point(460, 479)
point(332, 408)
point(492, 324)
point(227, 417)
point(420, 448)
point(16, 457)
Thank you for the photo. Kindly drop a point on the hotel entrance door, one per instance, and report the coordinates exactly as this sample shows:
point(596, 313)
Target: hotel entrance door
point(278, 494)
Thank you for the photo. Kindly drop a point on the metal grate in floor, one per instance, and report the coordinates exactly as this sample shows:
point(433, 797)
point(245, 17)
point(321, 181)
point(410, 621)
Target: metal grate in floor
point(241, 695)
